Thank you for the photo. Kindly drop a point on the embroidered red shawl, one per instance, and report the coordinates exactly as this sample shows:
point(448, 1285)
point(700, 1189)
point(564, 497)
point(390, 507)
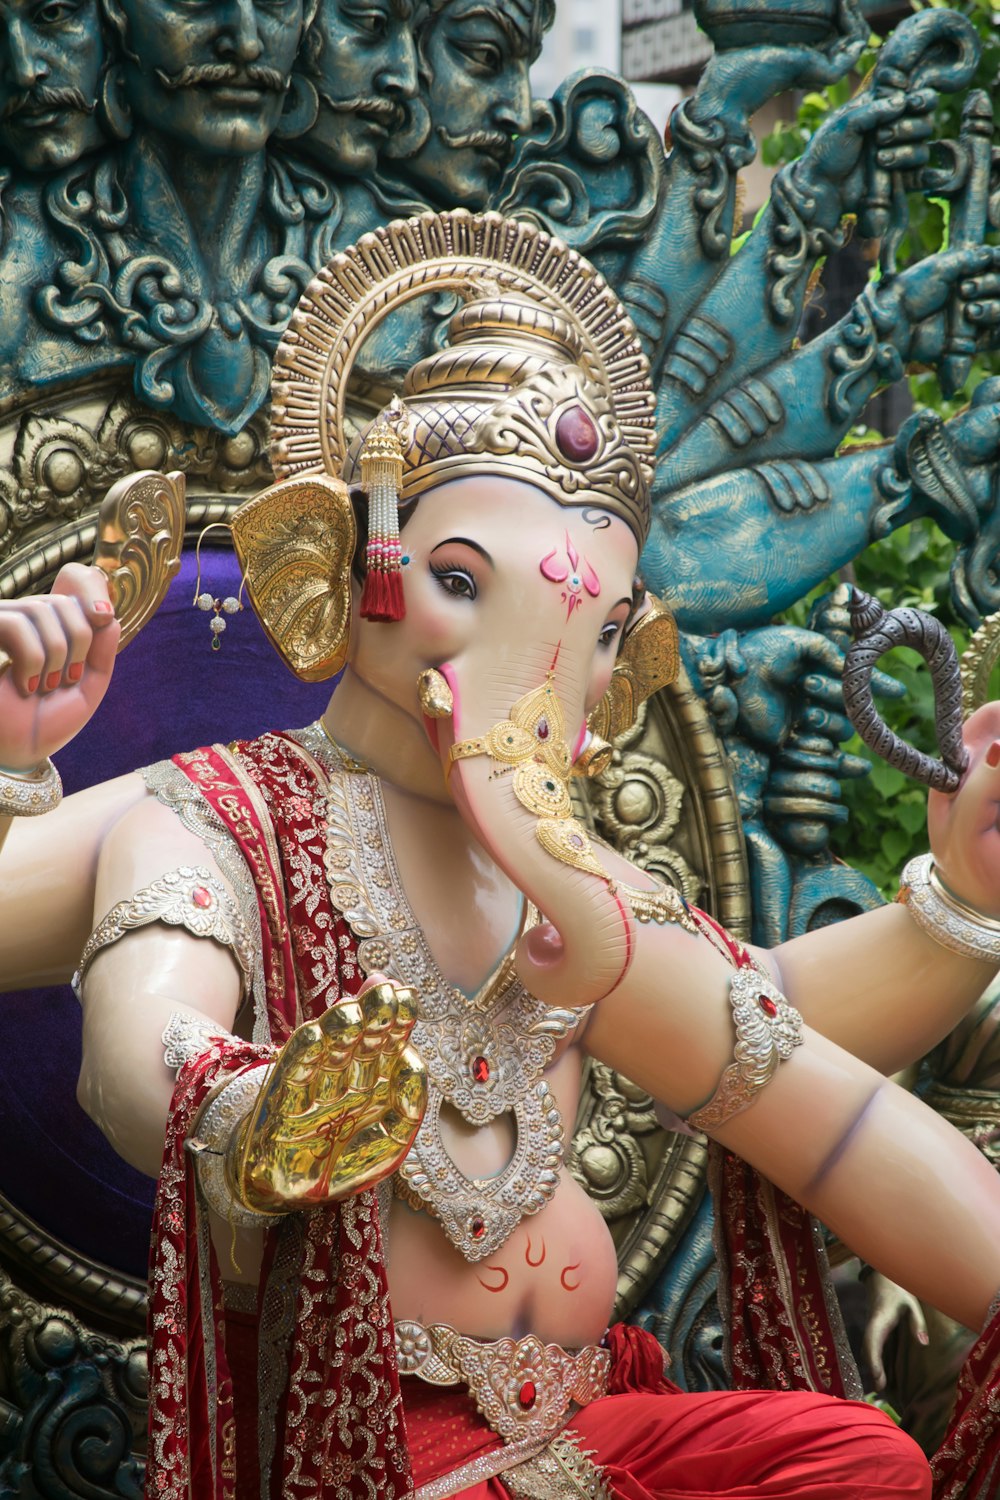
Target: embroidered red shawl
point(343, 1426)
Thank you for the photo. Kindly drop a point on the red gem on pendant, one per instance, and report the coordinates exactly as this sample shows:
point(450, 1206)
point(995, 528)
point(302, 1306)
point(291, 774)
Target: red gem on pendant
point(477, 1229)
point(480, 1070)
point(202, 897)
point(526, 1395)
point(767, 1005)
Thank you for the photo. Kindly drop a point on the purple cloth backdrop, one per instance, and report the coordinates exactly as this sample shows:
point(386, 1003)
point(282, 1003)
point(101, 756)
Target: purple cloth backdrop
point(170, 692)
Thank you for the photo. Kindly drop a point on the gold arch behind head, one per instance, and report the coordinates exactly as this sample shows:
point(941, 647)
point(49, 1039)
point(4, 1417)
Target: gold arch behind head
point(348, 299)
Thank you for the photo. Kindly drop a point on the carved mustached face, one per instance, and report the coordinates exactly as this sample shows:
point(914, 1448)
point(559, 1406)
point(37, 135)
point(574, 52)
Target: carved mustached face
point(474, 61)
point(361, 58)
point(51, 56)
point(497, 571)
point(212, 77)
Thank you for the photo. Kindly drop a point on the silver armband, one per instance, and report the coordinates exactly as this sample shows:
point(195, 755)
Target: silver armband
point(214, 1141)
point(767, 1030)
point(190, 897)
point(944, 917)
point(28, 794)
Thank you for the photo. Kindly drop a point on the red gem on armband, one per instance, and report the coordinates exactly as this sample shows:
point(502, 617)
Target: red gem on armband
point(768, 1006)
point(576, 435)
point(480, 1070)
point(202, 896)
point(526, 1395)
point(477, 1229)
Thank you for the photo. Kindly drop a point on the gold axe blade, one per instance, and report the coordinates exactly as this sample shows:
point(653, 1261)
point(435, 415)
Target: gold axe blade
point(140, 537)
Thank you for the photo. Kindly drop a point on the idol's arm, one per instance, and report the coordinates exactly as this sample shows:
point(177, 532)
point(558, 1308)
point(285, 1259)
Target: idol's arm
point(136, 983)
point(904, 1189)
point(48, 868)
point(880, 985)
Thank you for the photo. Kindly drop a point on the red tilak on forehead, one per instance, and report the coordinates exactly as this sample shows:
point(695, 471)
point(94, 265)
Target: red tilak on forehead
point(571, 574)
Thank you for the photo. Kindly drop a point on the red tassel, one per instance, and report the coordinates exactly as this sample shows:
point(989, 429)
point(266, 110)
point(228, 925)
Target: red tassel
point(371, 595)
point(395, 603)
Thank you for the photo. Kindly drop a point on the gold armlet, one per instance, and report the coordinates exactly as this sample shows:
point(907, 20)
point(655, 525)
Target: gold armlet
point(767, 1030)
point(28, 794)
point(190, 897)
point(944, 917)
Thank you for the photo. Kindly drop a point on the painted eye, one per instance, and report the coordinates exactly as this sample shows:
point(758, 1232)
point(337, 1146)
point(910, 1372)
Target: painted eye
point(456, 581)
point(608, 635)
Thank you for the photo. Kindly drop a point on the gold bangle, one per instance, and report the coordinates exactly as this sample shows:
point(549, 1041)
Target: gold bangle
point(28, 794)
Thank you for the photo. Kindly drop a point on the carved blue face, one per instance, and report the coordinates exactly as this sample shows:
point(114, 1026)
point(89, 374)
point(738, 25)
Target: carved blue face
point(210, 76)
point(361, 57)
point(474, 75)
point(51, 55)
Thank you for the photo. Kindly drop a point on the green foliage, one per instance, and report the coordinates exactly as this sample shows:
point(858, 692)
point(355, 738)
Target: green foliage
point(911, 566)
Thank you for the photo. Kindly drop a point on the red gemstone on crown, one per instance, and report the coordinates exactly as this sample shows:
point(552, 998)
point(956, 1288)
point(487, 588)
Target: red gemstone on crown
point(576, 435)
point(480, 1070)
point(202, 897)
point(767, 1005)
point(526, 1395)
point(477, 1229)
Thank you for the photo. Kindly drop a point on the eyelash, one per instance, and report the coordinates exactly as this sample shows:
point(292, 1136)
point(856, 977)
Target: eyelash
point(608, 636)
point(441, 571)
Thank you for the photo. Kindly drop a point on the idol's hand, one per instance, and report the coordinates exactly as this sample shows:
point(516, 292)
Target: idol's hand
point(963, 828)
point(57, 653)
point(341, 1108)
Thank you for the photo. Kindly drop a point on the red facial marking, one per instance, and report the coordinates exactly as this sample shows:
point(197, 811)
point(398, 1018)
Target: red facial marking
point(527, 1254)
point(566, 1286)
point(497, 1271)
point(553, 571)
point(575, 577)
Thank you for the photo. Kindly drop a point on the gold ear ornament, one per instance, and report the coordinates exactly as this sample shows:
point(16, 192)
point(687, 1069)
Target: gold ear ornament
point(649, 660)
point(296, 542)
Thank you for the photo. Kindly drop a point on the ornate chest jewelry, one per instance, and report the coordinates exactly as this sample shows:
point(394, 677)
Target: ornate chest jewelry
point(485, 1055)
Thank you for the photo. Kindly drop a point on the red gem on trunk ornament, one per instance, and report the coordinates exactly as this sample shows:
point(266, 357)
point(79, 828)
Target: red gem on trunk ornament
point(542, 730)
point(526, 1395)
point(480, 1070)
point(202, 897)
point(767, 1005)
point(576, 435)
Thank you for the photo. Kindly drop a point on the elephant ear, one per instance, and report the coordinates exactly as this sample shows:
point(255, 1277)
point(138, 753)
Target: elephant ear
point(295, 542)
point(648, 661)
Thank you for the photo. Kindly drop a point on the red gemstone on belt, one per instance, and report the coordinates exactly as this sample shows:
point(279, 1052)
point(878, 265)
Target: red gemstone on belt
point(202, 897)
point(767, 1005)
point(478, 1229)
point(526, 1395)
point(480, 1070)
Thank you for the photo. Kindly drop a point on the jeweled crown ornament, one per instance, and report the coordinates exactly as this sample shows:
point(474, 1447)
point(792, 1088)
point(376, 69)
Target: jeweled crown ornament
point(542, 376)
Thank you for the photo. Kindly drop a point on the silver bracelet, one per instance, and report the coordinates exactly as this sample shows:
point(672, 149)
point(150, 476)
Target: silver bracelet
point(944, 917)
point(186, 1037)
point(213, 1139)
point(767, 1030)
point(30, 794)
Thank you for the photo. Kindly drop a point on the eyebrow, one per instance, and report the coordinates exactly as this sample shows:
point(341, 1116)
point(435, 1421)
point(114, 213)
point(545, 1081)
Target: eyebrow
point(465, 541)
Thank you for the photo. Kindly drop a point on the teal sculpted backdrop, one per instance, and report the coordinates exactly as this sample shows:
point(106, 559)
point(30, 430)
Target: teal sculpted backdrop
point(171, 176)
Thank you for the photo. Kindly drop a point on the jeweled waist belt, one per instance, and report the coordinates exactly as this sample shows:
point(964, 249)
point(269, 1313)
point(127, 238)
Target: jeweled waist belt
point(525, 1389)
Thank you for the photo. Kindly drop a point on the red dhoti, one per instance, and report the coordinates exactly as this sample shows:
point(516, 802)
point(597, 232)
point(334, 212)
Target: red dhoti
point(727, 1445)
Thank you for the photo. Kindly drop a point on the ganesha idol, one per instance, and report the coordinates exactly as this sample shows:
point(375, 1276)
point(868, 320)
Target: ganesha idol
point(350, 974)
